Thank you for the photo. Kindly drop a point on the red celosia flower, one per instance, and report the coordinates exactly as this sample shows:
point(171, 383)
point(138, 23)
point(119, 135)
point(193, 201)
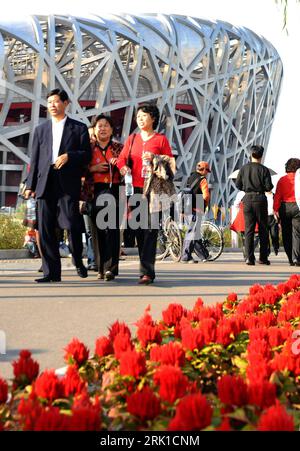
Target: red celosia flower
point(192, 338)
point(122, 342)
point(149, 333)
point(291, 308)
point(169, 354)
point(146, 319)
point(208, 327)
point(132, 363)
point(271, 297)
point(287, 359)
point(3, 391)
point(73, 384)
point(173, 314)
point(86, 415)
point(76, 352)
point(29, 410)
point(276, 418)
point(103, 347)
point(283, 288)
point(144, 404)
point(26, 370)
point(48, 386)
point(278, 335)
point(258, 369)
point(199, 304)
point(193, 413)
point(248, 305)
point(232, 297)
point(50, 419)
point(262, 394)
point(116, 328)
point(172, 382)
point(259, 347)
point(225, 332)
point(232, 390)
point(255, 289)
point(215, 312)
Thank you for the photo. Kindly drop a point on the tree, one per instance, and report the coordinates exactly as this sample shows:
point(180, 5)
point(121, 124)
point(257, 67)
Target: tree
point(284, 5)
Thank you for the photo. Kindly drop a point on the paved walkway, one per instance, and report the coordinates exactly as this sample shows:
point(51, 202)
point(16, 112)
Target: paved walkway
point(45, 318)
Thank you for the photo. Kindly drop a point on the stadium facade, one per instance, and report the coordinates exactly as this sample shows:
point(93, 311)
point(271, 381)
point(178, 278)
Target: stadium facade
point(216, 86)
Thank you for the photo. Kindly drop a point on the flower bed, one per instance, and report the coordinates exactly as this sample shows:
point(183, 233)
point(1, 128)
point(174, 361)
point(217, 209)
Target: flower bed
point(231, 366)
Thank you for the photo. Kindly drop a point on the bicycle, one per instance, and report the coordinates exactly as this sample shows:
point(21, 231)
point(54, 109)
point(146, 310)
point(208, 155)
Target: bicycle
point(171, 236)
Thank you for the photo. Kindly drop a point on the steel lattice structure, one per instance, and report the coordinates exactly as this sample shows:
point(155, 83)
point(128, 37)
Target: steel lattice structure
point(215, 84)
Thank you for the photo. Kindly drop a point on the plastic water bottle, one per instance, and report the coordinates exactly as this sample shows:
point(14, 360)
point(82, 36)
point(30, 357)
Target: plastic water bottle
point(31, 210)
point(146, 169)
point(128, 185)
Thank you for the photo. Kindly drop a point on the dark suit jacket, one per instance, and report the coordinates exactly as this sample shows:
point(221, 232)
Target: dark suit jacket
point(75, 142)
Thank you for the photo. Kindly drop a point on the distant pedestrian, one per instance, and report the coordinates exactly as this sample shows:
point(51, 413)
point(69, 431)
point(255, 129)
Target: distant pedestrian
point(287, 209)
point(255, 179)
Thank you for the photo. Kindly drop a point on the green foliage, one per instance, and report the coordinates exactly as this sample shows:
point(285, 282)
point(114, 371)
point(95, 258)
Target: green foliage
point(12, 232)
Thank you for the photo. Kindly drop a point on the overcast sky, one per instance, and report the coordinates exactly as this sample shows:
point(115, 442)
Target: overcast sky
point(262, 16)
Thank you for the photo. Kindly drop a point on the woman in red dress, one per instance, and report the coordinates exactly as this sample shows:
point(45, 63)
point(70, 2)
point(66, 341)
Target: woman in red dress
point(137, 154)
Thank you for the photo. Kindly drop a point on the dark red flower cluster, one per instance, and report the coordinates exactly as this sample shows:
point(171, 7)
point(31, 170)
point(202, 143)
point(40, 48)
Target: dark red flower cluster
point(132, 363)
point(48, 386)
point(76, 352)
point(116, 328)
point(144, 404)
point(103, 347)
point(193, 413)
point(169, 354)
point(172, 383)
point(25, 370)
point(122, 343)
point(3, 391)
point(173, 314)
point(276, 418)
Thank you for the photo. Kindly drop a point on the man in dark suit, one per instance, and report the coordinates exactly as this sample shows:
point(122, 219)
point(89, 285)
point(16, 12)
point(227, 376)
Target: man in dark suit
point(255, 179)
point(60, 152)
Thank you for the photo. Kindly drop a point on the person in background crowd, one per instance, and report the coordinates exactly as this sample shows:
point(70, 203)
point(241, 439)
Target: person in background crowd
point(60, 151)
point(106, 177)
point(286, 208)
point(255, 179)
point(273, 226)
point(137, 153)
point(199, 185)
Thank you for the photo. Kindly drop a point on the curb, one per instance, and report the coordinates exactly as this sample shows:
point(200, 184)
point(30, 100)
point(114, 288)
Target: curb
point(14, 254)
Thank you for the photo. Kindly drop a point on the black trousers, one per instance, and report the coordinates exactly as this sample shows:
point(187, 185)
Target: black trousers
point(108, 238)
point(256, 211)
point(146, 238)
point(290, 224)
point(59, 208)
point(273, 233)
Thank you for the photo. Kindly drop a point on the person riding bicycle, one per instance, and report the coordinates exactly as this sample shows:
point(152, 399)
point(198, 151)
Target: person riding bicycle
point(198, 184)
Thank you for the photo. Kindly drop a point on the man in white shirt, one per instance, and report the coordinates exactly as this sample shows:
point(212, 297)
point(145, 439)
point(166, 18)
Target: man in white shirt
point(60, 152)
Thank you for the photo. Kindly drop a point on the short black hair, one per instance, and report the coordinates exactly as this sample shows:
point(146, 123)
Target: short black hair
point(60, 93)
point(257, 151)
point(98, 118)
point(151, 109)
point(292, 165)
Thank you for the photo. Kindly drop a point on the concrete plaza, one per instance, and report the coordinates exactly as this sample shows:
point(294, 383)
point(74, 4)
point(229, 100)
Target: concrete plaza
point(44, 318)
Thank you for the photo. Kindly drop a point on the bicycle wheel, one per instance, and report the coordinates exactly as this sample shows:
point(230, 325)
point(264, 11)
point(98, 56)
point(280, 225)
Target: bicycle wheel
point(212, 241)
point(162, 247)
point(174, 240)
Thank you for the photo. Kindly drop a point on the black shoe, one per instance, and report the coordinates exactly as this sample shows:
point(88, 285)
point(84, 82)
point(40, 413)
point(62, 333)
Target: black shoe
point(250, 262)
point(109, 276)
point(82, 271)
point(295, 263)
point(48, 279)
point(276, 251)
point(40, 269)
point(264, 262)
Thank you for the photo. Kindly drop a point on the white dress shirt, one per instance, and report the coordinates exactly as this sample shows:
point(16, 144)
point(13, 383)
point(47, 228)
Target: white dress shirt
point(57, 131)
